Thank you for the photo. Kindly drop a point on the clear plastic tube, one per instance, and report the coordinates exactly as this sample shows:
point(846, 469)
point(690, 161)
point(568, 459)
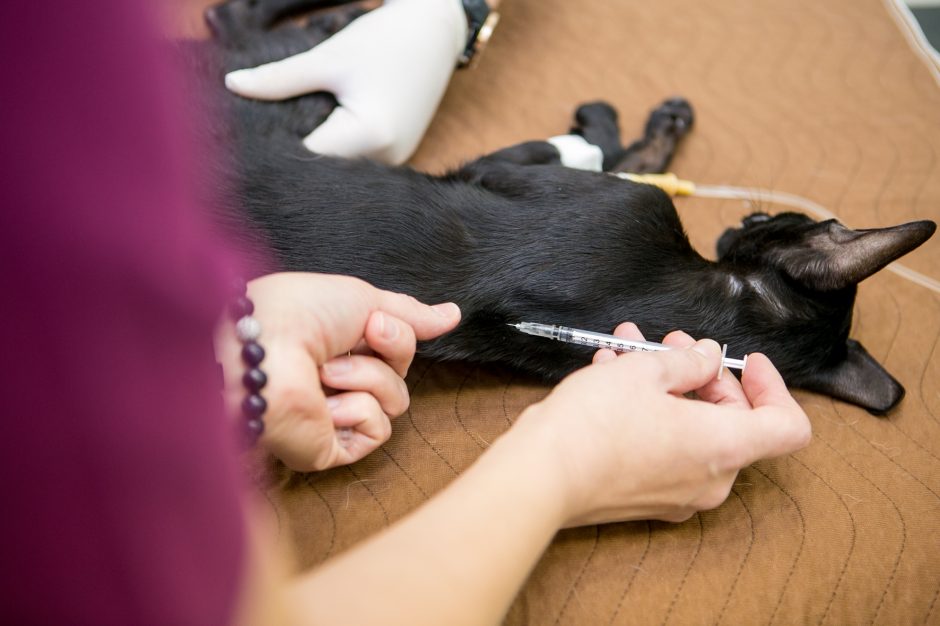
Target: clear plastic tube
point(778, 197)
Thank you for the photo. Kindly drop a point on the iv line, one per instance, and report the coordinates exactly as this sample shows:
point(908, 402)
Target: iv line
point(675, 186)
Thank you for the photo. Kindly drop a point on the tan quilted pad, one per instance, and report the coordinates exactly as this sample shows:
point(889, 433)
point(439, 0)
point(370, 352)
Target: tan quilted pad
point(825, 99)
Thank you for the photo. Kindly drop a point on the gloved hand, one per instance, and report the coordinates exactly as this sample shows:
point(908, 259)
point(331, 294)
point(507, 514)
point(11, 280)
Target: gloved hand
point(388, 69)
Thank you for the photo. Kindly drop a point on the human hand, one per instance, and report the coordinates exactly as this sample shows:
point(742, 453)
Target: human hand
point(624, 443)
point(337, 351)
point(388, 70)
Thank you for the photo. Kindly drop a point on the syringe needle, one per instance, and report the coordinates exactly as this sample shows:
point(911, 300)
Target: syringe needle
point(597, 341)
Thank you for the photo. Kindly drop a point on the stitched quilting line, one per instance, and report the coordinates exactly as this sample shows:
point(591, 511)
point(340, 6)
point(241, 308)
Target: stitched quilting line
point(890, 173)
point(933, 603)
point(308, 478)
point(914, 37)
point(392, 458)
point(758, 108)
point(741, 144)
point(405, 472)
point(915, 132)
point(731, 129)
point(896, 463)
point(897, 559)
point(747, 553)
point(685, 576)
point(897, 326)
point(385, 450)
point(849, 180)
point(893, 423)
point(898, 428)
point(915, 201)
point(636, 572)
point(782, 110)
point(845, 561)
point(506, 387)
point(799, 551)
point(418, 430)
point(690, 36)
point(457, 395)
point(860, 20)
point(852, 178)
point(277, 512)
point(923, 378)
point(891, 169)
point(365, 485)
point(885, 455)
point(412, 380)
point(577, 579)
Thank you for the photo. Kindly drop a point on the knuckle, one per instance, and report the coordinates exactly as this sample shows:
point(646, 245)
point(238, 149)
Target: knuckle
point(386, 429)
point(303, 461)
point(365, 404)
point(405, 398)
point(397, 402)
point(678, 338)
point(318, 465)
point(390, 392)
point(715, 496)
point(804, 432)
point(292, 399)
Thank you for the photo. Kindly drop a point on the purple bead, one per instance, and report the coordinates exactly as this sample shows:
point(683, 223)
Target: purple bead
point(254, 406)
point(252, 353)
point(254, 379)
point(254, 428)
point(241, 307)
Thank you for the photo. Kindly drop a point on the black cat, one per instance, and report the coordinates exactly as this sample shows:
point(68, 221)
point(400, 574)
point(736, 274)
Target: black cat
point(515, 236)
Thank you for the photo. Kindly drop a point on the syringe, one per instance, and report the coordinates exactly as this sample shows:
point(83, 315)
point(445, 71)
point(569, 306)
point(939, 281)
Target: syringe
point(611, 342)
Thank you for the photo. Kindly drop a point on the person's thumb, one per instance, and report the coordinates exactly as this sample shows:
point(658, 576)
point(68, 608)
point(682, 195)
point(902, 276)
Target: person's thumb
point(685, 369)
point(294, 76)
point(427, 321)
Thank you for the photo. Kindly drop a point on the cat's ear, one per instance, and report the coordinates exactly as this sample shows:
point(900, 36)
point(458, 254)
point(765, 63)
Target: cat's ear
point(858, 379)
point(830, 256)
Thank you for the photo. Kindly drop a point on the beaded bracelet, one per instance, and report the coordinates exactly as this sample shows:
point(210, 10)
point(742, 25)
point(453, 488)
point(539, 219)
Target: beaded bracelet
point(248, 329)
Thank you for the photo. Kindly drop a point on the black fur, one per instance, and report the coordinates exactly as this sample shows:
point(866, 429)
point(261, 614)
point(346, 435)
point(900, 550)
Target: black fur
point(514, 236)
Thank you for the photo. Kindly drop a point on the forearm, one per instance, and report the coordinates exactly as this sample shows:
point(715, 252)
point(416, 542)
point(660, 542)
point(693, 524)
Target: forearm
point(460, 559)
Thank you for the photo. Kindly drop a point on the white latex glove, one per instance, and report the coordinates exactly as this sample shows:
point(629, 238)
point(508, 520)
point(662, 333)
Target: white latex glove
point(388, 69)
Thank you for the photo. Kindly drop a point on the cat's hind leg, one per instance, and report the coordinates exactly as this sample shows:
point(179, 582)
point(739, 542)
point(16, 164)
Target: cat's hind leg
point(666, 126)
point(594, 142)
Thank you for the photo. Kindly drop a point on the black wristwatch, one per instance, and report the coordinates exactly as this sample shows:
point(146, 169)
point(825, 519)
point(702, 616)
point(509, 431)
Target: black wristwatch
point(481, 20)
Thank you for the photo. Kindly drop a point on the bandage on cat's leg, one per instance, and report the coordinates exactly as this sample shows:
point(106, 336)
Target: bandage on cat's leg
point(577, 153)
point(597, 123)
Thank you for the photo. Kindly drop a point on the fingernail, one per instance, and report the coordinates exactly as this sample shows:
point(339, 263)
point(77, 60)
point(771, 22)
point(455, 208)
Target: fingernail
point(387, 326)
point(702, 347)
point(344, 435)
point(337, 366)
point(332, 403)
point(447, 309)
